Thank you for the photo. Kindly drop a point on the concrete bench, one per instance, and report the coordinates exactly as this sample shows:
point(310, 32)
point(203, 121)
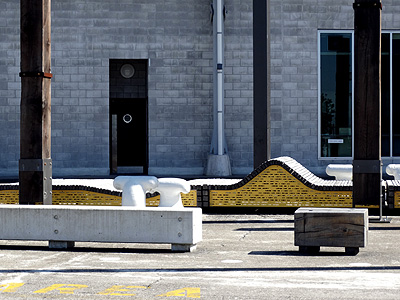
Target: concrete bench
point(330, 227)
point(63, 225)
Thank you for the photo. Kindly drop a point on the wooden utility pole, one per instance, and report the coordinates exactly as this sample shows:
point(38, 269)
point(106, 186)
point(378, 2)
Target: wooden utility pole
point(367, 164)
point(261, 75)
point(35, 165)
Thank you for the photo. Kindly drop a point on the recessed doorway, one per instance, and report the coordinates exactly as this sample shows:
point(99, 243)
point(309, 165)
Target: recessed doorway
point(128, 116)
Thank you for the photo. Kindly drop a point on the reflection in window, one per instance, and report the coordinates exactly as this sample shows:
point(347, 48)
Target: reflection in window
point(396, 94)
point(336, 94)
point(385, 94)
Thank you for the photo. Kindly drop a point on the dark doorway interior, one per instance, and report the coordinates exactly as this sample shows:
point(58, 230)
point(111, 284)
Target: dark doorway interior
point(128, 116)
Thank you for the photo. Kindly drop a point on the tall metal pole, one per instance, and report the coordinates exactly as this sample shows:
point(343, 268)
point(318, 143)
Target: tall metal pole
point(220, 76)
point(367, 164)
point(218, 162)
point(261, 73)
point(35, 165)
point(218, 143)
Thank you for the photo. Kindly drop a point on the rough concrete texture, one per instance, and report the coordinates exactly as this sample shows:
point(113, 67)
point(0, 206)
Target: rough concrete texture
point(218, 165)
point(240, 257)
point(87, 223)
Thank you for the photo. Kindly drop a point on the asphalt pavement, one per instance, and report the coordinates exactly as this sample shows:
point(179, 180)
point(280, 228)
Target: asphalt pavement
point(241, 257)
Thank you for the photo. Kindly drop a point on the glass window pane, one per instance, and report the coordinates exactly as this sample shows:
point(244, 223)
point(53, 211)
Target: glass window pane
point(385, 102)
point(336, 94)
point(396, 94)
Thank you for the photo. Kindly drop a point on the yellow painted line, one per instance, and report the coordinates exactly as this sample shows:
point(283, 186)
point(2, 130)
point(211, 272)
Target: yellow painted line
point(112, 291)
point(10, 287)
point(115, 290)
point(185, 292)
point(62, 288)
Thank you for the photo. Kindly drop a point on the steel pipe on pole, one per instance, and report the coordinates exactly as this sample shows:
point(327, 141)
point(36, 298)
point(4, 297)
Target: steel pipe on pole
point(218, 163)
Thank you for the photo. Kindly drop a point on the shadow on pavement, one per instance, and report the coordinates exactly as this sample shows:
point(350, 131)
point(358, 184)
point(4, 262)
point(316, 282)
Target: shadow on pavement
point(200, 270)
point(86, 249)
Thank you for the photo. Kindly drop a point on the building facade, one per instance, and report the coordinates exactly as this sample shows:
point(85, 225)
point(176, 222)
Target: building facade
point(132, 90)
point(312, 88)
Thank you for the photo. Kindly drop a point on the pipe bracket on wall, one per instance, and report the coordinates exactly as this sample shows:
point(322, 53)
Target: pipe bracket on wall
point(36, 74)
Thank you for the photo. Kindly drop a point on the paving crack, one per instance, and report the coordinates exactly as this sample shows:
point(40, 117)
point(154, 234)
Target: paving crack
point(154, 282)
point(244, 236)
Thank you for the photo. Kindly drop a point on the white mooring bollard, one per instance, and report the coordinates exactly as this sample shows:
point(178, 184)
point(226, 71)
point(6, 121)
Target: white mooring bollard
point(170, 190)
point(393, 170)
point(340, 172)
point(134, 189)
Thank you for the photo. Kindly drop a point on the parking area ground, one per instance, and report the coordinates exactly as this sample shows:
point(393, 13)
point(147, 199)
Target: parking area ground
point(241, 257)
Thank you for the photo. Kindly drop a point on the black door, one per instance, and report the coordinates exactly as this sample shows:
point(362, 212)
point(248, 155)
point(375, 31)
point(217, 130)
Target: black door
point(128, 117)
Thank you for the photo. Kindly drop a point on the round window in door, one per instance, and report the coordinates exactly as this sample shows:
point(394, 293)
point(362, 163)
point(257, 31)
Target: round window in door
point(127, 118)
point(127, 71)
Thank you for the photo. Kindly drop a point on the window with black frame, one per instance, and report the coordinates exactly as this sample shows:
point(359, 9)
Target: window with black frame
point(336, 94)
point(335, 53)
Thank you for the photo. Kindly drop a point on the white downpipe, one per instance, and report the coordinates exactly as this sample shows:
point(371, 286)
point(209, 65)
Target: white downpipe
point(218, 162)
point(220, 115)
point(220, 91)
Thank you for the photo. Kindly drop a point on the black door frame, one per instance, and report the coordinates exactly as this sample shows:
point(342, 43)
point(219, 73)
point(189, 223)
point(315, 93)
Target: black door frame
point(113, 142)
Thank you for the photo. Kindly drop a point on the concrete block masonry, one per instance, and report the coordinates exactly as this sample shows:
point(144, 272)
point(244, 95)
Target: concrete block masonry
point(62, 225)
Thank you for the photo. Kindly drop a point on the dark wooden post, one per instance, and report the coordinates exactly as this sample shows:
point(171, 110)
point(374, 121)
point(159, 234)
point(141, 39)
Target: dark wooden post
point(35, 166)
point(261, 73)
point(367, 164)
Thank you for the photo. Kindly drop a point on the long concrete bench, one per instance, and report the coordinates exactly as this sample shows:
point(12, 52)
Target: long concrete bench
point(63, 225)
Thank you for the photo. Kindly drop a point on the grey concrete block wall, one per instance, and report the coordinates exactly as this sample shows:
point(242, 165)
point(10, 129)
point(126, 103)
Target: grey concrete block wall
point(239, 84)
point(180, 88)
point(9, 87)
point(80, 89)
point(294, 74)
point(177, 39)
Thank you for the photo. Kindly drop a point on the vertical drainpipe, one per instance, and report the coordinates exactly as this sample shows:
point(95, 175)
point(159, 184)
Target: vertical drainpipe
point(218, 163)
point(220, 76)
